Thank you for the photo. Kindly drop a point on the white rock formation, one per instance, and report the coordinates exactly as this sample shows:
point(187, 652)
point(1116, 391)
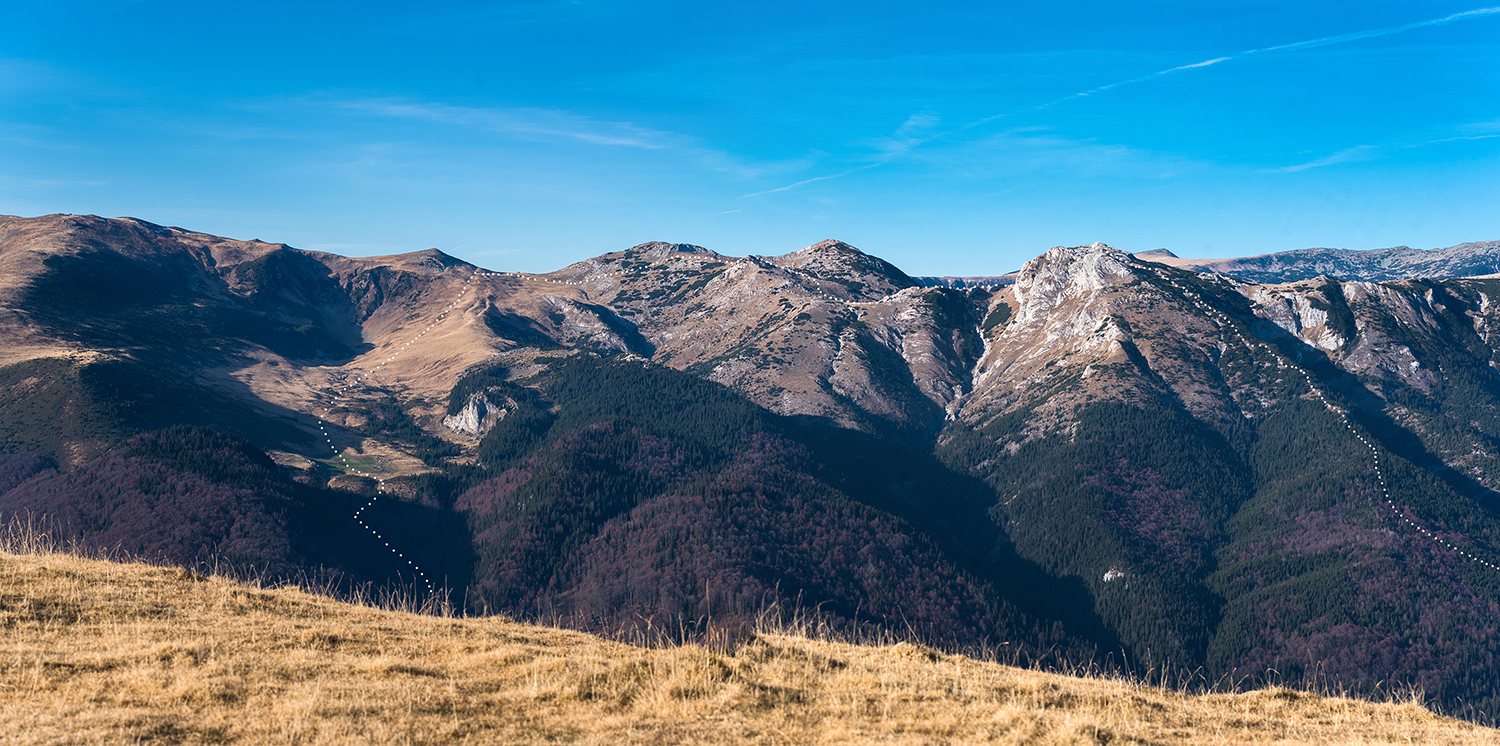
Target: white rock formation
point(477, 416)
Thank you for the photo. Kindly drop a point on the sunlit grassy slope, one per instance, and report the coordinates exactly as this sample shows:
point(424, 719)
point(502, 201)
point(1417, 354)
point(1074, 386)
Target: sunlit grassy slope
point(100, 652)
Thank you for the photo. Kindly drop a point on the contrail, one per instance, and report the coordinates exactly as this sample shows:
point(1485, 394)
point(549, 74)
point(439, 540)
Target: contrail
point(1092, 91)
point(1339, 39)
point(808, 181)
point(1310, 43)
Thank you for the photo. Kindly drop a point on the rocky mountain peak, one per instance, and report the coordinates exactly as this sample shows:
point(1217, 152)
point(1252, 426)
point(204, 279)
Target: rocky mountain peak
point(436, 259)
point(864, 276)
point(1068, 271)
point(661, 251)
point(826, 252)
point(830, 245)
point(1064, 314)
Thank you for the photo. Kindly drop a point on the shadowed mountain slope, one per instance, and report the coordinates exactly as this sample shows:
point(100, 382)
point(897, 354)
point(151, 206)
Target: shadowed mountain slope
point(196, 497)
point(1103, 456)
point(652, 499)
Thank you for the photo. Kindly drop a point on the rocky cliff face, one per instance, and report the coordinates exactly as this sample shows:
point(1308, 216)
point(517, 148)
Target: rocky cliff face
point(480, 414)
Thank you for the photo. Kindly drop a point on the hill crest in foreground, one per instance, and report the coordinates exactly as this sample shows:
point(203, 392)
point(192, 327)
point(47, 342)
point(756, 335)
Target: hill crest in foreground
point(99, 651)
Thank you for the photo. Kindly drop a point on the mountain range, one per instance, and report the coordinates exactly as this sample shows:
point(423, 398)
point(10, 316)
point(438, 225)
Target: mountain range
point(1269, 468)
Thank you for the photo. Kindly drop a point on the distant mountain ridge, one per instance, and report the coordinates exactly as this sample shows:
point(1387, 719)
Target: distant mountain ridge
point(993, 281)
point(1107, 455)
point(1374, 265)
point(1370, 265)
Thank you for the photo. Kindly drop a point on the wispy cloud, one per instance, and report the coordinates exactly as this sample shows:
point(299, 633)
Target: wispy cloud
point(521, 121)
point(1347, 155)
point(1035, 150)
point(906, 138)
point(558, 126)
point(913, 132)
point(1358, 153)
point(1462, 132)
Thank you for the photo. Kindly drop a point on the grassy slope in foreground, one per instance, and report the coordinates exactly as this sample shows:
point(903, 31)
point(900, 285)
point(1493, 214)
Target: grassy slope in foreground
point(95, 652)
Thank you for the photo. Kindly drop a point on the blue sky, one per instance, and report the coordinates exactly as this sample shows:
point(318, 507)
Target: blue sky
point(957, 138)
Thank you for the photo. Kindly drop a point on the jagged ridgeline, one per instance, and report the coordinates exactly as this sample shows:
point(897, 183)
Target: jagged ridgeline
point(1102, 457)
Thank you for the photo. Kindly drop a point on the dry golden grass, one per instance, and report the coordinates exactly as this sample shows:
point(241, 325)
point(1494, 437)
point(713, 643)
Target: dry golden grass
point(100, 652)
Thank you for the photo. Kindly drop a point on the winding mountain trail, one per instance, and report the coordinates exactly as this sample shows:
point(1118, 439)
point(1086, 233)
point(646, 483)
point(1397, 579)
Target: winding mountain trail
point(380, 483)
point(343, 391)
point(1402, 513)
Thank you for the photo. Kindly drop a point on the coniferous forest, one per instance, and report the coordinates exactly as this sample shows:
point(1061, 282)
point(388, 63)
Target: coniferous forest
point(620, 485)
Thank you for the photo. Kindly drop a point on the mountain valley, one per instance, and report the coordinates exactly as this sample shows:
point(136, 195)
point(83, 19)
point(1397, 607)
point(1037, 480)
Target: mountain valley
point(1277, 468)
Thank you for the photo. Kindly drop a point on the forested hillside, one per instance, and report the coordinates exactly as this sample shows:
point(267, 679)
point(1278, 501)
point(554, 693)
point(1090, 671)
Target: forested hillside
point(199, 498)
point(1101, 460)
point(623, 496)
